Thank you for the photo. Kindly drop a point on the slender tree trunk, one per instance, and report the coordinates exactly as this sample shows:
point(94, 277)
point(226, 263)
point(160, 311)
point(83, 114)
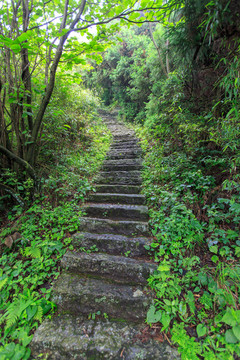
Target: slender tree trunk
point(158, 51)
point(32, 151)
point(167, 55)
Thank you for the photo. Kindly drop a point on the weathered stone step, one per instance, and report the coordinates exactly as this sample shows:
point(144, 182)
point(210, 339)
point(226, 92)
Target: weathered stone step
point(117, 212)
point(127, 143)
point(115, 155)
point(137, 161)
point(121, 189)
point(68, 337)
point(125, 148)
point(119, 177)
point(117, 268)
point(104, 226)
point(117, 198)
point(112, 244)
point(127, 137)
point(125, 151)
point(82, 295)
point(121, 167)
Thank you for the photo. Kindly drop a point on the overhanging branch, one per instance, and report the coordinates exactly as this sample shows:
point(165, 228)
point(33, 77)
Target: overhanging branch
point(10, 155)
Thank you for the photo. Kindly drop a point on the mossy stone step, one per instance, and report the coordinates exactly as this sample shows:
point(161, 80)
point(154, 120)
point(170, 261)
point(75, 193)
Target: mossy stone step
point(136, 199)
point(137, 161)
point(75, 294)
point(125, 148)
point(112, 244)
point(114, 189)
point(69, 337)
point(117, 155)
point(117, 211)
point(126, 137)
point(125, 151)
point(105, 226)
point(116, 268)
point(119, 177)
point(121, 167)
point(128, 144)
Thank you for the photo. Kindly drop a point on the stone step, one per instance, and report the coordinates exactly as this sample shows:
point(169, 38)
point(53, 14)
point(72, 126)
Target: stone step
point(68, 337)
point(127, 143)
point(128, 137)
point(82, 295)
point(117, 212)
point(112, 244)
point(125, 151)
point(125, 148)
point(116, 268)
point(115, 155)
point(114, 189)
point(117, 198)
point(119, 177)
point(137, 161)
point(104, 226)
point(121, 167)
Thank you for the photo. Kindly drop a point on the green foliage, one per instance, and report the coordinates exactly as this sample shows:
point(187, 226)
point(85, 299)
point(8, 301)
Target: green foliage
point(123, 74)
point(28, 269)
point(190, 223)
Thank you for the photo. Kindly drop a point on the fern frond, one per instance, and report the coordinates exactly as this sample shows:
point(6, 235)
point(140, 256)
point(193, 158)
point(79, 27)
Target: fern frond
point(12, 313)
point(39, 314)
point(33, 252)
point(15, 311)
point(3, 282)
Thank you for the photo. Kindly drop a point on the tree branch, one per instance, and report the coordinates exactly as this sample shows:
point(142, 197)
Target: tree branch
point(12, 193)
point(19, 161)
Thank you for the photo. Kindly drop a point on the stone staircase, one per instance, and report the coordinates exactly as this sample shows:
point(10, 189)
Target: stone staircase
point(102, 296)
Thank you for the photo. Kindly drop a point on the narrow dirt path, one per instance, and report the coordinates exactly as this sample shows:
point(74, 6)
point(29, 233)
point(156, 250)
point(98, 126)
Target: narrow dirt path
point(111, 282)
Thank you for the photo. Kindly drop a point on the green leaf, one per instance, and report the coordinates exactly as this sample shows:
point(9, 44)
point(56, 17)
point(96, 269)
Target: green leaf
point(153, 316)
point(23, 37)
point(31, 311)
point(201, 330)
point(214, 259)
point(229, 318)
point(163, 268)
point(165, 320)
point(230, 337)
point(214, 249)
point(236, 331)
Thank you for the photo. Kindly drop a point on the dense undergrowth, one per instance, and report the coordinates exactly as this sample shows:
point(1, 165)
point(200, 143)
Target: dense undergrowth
point(44, 224)
point(194, 200)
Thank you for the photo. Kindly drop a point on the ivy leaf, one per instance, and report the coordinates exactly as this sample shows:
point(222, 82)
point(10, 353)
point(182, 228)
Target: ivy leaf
point(230, 337)
point(153, 316)
point(201, 330)
point(236, 331)
point(31, 311)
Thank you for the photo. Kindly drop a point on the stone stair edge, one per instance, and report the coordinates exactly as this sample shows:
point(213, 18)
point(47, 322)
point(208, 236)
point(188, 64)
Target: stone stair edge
point(106, 340)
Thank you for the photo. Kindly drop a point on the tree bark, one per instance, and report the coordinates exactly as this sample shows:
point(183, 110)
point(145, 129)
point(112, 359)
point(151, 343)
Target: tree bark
point(50, 86)
point(158, 51)
point(19, 161)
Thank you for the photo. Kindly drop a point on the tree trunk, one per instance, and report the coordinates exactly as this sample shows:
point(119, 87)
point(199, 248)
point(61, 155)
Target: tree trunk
point(158, 51)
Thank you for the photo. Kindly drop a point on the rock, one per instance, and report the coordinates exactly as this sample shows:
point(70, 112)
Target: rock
point(69, 337)
point(11, 239)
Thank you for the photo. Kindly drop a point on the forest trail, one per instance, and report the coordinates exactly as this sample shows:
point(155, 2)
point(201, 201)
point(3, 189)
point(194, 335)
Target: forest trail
point(102, 296)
